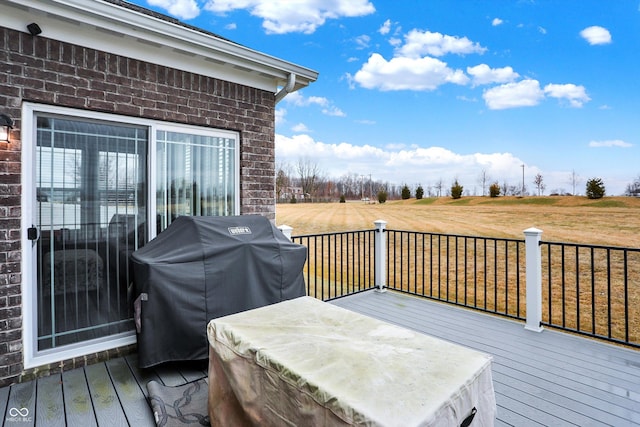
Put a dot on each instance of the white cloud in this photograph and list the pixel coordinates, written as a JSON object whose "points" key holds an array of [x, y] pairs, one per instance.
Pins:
{"points": [[525, 93], [401, 73], [596, 35], [482, 74], [576, 95], [542, 30], [419, 43], [300, 128], [362, 42], [285, 16], [398, 163], [299, 100], [466, 98], [395, 42], [280, 116], [333, 111], [413, 66], [231, 26], [385, 28], [610, 143], [183, 9], [496, 22]]}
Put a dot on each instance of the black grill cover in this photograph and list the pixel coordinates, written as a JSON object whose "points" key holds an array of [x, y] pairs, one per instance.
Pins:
{"points": [[201, 268]]}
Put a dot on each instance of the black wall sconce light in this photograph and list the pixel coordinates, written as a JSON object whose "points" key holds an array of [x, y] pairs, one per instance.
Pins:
{"points": [[6, 124], [34, 29]]}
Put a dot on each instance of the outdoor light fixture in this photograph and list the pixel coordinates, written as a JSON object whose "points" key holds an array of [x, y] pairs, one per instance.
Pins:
{"points": [[34, 29], [6, 124]]}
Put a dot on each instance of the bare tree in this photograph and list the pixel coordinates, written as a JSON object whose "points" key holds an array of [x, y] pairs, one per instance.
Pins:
{"points": [[439, 185], [633, 188], [505, 188], [309, 174], [283, 179], [483, 180], [539, 184], [574, 180]]}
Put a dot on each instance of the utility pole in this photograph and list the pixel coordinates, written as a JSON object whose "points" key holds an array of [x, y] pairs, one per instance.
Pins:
{"points": [[522, 192]]}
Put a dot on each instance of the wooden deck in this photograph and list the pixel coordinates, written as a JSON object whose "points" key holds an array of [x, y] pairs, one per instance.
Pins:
{"points": [[549, 378]]}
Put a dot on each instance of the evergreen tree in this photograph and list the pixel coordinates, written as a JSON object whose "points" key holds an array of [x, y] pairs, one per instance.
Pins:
{"points": [[595, 188], [406, 193], [456, 190]]}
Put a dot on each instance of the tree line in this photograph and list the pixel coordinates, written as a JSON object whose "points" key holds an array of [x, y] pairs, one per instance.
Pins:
{"points": [[305, 181]]}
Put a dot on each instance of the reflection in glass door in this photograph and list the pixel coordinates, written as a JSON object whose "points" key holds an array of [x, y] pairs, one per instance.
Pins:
{"points": [[91, 211]]}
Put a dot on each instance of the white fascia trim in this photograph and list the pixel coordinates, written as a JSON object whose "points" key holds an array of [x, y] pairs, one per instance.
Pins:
{"points": [[137, 35]]}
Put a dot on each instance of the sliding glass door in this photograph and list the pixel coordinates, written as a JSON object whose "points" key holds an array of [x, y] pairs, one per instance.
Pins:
{"points": [[98, 187]]}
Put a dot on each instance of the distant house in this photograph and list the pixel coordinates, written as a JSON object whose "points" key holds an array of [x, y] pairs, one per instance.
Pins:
{"points": [[122, 120], [289, 193]]}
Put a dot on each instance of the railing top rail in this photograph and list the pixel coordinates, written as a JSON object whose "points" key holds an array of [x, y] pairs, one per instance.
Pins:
{"points": [[503, 239], [584, 245], [333, 233]]}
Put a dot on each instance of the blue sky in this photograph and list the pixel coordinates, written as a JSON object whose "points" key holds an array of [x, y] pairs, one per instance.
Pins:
{"points": [[418, 91]]}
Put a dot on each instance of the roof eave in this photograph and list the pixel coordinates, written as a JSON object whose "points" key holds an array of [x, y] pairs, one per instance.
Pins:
{"points": [[149, 31]]}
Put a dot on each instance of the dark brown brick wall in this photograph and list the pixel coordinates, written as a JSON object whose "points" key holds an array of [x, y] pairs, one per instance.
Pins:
{"points": [[41, 70]]}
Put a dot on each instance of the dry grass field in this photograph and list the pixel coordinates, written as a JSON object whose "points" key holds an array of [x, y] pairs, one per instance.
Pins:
{"points": [[611, 221], [592, 290]]}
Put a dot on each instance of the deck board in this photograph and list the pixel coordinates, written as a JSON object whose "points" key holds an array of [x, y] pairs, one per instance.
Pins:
{"points": [[130, 394], [23, 399], [4, 400], [50, 402], [142, 376], [549, 378], [78, 407], [106, 405]]}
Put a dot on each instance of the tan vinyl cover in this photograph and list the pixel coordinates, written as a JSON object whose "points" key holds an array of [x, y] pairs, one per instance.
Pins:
{"points": [[304, 362]]}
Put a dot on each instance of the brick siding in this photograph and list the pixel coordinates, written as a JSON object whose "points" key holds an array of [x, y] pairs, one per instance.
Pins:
{"points": [[41, 70]]}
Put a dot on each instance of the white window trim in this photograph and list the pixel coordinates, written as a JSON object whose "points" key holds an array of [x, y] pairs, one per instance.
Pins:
{"points": [[33, 357]]}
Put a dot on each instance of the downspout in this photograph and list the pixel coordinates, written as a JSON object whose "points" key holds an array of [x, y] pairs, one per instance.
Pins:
{"points": [[291, 81]]}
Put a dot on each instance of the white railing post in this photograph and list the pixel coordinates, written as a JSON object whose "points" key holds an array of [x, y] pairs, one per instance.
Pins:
{"points": [[533, 270], [380, 258], [286, 230]]}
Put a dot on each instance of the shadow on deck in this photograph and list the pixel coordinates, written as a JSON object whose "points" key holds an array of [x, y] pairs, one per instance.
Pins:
{"points": [[548, 378]]}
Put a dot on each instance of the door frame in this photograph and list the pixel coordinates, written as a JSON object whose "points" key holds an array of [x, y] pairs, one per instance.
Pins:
{"points": [[32, 356]]}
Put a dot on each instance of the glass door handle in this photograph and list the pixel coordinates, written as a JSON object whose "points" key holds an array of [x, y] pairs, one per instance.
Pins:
{"points": [[32, 233]]}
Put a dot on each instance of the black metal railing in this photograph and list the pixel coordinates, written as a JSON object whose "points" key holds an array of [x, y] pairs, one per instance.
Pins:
{"points": [[338, 264], [592, 290], [478, 272]]}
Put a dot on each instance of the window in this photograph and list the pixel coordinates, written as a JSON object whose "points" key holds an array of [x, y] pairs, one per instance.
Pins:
{"points": [[195, 175]]}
